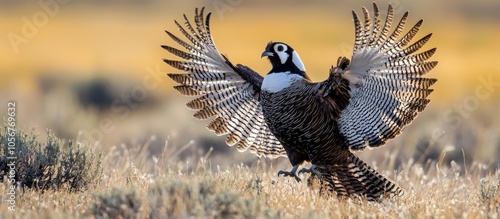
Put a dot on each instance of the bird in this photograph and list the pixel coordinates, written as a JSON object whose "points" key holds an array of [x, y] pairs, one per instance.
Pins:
{"points": [[364, 102]]}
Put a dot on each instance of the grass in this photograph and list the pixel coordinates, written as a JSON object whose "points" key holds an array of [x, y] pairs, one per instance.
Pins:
{"points": [[135, 184]]}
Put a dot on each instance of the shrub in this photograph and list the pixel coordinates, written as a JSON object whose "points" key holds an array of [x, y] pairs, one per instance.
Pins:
{"points": [[206, 198], [118, 203], [489, 188], [54, 164]]}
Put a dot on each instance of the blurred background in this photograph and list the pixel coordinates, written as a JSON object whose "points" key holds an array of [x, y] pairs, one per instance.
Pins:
{"points": [[93, 70]]}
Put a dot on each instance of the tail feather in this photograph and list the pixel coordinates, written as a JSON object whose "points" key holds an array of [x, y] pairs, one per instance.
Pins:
{"points": [[355, 177]]}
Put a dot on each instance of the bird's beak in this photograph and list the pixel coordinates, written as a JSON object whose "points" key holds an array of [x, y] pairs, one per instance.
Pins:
{"points": [[266, 53]]}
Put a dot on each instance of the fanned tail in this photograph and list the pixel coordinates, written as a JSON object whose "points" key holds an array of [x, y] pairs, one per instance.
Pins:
{"points": [[355, 177]]}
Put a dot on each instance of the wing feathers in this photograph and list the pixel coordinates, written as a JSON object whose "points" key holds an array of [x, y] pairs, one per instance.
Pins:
{"points": [[192, 49], [202, 29], [186, 90], [219, 126], [200, 103], [387, 87], [193, 37], [413, 70], [229, 94], [389, 45], [376, 24], [411, 59], [387, 26], [357, 31], [191, 79], [416, 46], [179, 53], [368, 25], [192, 67], [409, 36]]}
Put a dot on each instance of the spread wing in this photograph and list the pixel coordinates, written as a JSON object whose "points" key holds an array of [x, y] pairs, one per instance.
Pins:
{"points": [[226, 93], [387, 87]]}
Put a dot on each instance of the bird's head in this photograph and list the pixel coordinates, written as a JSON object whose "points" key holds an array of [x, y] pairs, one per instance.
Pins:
{"points": [[283, 58]]}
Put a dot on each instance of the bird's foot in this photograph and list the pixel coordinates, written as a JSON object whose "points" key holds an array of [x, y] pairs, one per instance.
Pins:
{"points": [[290, 173], [312, 169]]}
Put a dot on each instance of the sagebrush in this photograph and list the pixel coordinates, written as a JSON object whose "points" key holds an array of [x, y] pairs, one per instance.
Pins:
{"points": [[54, 164]]}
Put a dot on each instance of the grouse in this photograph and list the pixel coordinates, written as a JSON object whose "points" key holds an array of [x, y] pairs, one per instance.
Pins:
{"points": [[363, 103]]}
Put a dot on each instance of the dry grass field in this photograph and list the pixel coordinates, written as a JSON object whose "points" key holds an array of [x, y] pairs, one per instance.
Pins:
{"points": [[134, 184], [95, 142]]}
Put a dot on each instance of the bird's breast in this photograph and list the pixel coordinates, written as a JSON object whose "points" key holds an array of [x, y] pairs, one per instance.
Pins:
{"points": [[279, 81]]}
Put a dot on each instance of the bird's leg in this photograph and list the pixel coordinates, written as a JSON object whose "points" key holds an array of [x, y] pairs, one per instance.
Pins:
{"points": [[312, 169], [290, 173]]}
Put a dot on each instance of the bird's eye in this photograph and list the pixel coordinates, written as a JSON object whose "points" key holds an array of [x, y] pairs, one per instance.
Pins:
{"points": [[280, 48]]}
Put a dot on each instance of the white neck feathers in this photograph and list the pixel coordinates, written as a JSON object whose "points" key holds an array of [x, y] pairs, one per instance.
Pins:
{"points": [[297, 62]]}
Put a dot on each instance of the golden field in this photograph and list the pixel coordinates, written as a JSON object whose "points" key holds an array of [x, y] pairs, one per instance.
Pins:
{"points": [[52, 61]]}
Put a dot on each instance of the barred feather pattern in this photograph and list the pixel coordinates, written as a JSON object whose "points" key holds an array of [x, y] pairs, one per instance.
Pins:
{"points": [[355, 177], [303, 119], [363, 103], [386, 80], [227, 94]]}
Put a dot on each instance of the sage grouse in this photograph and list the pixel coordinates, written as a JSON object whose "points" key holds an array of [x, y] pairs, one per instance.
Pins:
{"points": [[362, 104]]}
